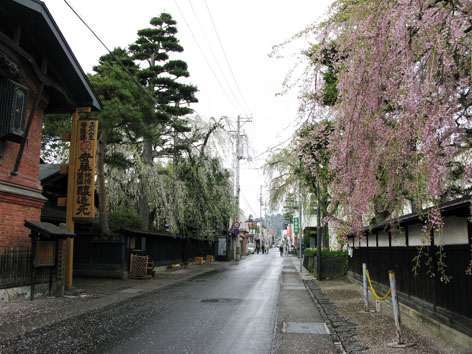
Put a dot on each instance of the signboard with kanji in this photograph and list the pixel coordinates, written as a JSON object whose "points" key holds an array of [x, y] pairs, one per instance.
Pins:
{"points": [[45, 254], [296, 225], [85, 169]]}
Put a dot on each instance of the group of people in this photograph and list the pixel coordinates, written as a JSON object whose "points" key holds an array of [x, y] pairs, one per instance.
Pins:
{"points": [[262, 247], [284, 249]]}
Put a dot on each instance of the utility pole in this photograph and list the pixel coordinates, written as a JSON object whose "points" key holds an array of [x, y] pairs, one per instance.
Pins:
{"points": [[239, 157]]}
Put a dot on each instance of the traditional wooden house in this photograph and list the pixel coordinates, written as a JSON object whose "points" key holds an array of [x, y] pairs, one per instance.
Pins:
{"points": [[39, 74], [444, 306]]}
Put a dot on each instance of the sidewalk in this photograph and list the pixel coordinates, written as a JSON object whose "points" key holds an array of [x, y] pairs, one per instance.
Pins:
{"points": [[340, 303], [300, 327], [21, 316]]}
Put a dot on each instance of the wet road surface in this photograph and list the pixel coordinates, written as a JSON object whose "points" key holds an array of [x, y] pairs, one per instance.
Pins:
{"points": [[231, 310]]}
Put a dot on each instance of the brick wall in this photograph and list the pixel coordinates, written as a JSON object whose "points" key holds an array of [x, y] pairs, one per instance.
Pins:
{"points": [[28, 170], [14, 210]]}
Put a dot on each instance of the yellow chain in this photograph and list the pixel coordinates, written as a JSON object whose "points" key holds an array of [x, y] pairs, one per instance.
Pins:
{"points": [[373, 291]]}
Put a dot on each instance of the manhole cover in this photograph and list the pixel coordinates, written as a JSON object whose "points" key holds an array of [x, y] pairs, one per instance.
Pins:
{"points": [[197, 280], [305, 327], [294, 287], [131, 291], [221, 300], [289, 270]]}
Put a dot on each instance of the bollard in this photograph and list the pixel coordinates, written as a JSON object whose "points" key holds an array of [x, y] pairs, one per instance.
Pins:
{"points": [[366, 287], [396, 309], [396, 313]]}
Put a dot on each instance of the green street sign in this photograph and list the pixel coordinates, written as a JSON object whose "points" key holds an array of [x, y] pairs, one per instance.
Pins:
{"points": [[296, 225]]}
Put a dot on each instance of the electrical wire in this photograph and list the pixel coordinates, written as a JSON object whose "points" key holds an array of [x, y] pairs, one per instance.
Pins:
{"points": [[214, 57], [148, 94], [204, 56], [226, 57], [248, 204]]}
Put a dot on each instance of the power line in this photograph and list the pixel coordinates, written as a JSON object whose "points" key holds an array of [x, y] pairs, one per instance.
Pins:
{"points": [[204, 56], [152, 98], [248, 204], [270, 149], [214, 56], [226, 57]]}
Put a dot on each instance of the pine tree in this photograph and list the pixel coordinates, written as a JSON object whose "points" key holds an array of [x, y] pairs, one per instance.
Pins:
{"points": [[161, 75]]}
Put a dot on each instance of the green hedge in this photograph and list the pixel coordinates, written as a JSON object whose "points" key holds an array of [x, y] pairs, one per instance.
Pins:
{"points": [[325, 253]]}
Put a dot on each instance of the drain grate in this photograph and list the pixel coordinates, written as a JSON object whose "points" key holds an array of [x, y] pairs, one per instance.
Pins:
{"points": [[221, 300], [294, 287], [131, 291], [305, 327]]}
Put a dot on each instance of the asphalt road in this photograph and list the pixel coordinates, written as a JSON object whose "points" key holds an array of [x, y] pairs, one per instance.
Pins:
{"points": [[231, 310]]}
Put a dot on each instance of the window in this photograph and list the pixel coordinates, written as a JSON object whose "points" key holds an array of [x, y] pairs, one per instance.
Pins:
{"points": [[13, 105]]}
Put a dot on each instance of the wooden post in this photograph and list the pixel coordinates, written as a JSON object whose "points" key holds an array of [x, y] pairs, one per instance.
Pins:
{"points": [[70, 200], [396, 308], [366, 287], [34, 237], [69, 257]]}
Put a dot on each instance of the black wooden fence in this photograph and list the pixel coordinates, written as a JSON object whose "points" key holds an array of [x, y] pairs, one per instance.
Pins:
{"points": [[111, 257], [99, 257], [454, 296], [15, 268]]}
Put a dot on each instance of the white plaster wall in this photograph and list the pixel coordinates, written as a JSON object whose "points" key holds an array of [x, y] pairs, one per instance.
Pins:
{"points": [[363, 241], [415, 237], [454, 232], [399, 238], [383, 239], [371, 241]]}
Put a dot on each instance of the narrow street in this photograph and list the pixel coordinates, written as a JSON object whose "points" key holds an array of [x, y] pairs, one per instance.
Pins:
{"points": [[231, 310]]}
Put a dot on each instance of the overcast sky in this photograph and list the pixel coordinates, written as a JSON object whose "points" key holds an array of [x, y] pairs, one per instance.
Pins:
{"points": [[247, 29]]}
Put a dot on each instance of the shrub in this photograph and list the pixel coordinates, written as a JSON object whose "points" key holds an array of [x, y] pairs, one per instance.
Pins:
{"points": [[325, 252], [124, 219]]}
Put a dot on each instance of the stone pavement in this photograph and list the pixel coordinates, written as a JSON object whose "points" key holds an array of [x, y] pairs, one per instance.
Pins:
{"points": [[300, 327]]}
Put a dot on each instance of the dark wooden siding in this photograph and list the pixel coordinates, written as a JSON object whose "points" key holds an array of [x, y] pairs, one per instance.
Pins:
{"points": [[455, 296]]}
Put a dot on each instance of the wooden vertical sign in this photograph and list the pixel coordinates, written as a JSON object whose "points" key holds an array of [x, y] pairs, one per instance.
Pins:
{"points": [[84, 206]]}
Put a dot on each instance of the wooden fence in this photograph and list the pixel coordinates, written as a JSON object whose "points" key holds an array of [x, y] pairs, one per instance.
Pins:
{"points": [[426, 287], [15, 268]]}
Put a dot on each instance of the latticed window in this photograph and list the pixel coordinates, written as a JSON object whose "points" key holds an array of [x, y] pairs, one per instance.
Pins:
{"points": [[13, 104]]}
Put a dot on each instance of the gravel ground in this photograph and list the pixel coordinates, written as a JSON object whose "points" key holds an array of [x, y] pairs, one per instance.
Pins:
{"points": [[377, 330]]}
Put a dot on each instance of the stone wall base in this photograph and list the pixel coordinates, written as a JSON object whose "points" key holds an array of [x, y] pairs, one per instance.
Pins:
{"points": [[22, 292]]}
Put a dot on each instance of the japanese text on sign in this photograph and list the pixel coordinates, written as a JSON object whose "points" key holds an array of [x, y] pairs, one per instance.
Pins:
{"points": [[85, 169]]}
